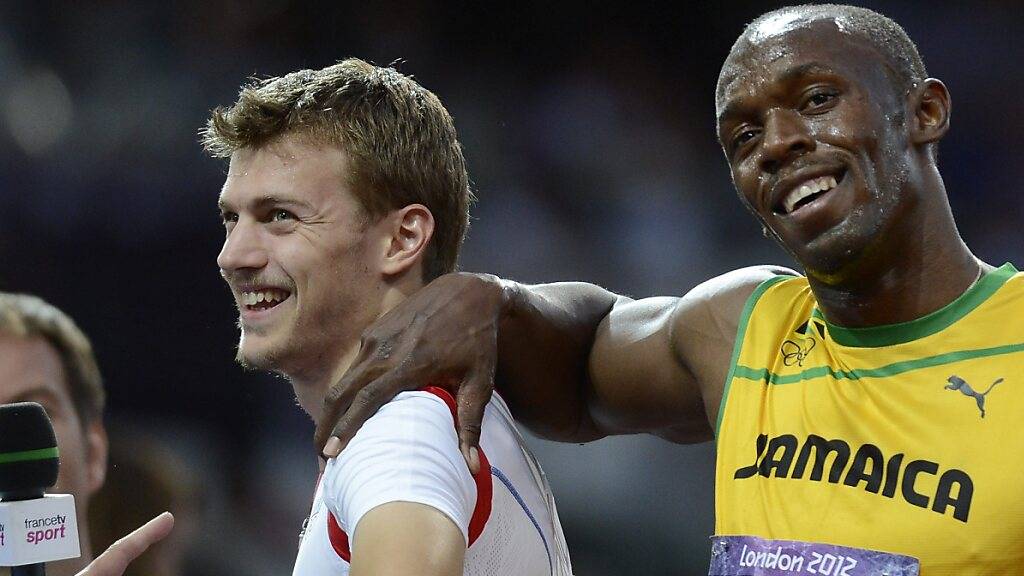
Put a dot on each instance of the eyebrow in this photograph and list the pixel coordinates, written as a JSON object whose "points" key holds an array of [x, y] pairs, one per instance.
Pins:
{"points": [[738, 108], [807, 69], [264, 202], [37, 392]]}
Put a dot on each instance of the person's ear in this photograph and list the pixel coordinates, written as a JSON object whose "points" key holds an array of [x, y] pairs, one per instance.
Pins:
{"points": [[411, 229], [97, 449], [930, 108]]}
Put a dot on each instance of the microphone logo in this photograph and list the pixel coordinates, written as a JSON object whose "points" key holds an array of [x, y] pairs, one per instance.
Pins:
{"points": [[34, 527]]}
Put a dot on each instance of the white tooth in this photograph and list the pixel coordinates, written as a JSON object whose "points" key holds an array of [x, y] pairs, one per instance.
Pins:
{"points": [[806, 189], [791, 199], [246, 296], [796, 195], [272, 296], [259, 297]]}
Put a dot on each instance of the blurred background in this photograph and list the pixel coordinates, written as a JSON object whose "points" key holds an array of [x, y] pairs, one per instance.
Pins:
{"points": [[589, 131]]}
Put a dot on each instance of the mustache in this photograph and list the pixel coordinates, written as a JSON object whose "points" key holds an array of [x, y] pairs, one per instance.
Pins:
{"points": [[817, 159], [247, 278]]}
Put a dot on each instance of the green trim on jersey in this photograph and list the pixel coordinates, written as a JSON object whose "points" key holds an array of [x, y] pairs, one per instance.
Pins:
{"points": [[890, 334], [741, 332], [763, 374]]}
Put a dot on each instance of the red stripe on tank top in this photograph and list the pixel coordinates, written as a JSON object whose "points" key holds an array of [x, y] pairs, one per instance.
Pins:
{"points": [[484, 491]]}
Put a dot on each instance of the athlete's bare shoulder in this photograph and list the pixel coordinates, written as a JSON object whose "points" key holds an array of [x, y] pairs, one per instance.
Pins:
{"points": [[705, 323], [724, 296]]}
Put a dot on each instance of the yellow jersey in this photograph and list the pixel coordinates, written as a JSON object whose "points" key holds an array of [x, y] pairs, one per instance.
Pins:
{"points": [[906, 439]]}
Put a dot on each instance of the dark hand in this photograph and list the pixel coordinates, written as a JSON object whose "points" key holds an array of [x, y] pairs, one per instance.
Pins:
{"points": [[443, 335]]}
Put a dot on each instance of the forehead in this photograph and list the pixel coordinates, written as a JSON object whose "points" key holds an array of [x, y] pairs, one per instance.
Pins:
{"points": [[787, 47], [288, 168], [30, 366]]}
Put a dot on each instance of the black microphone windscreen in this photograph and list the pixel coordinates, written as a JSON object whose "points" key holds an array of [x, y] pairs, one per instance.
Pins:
{"points": [[28, 449]]}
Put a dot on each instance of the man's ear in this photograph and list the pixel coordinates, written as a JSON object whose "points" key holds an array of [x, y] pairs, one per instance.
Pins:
{"points": [[411, 229], [930, 105], [97, 449]]}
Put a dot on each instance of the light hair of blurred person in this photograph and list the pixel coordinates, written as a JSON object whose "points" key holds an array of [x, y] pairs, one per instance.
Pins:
{"points": [[45, 358]]}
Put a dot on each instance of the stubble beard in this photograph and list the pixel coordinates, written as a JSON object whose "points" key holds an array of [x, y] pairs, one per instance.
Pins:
{"points": [[268, 359]]}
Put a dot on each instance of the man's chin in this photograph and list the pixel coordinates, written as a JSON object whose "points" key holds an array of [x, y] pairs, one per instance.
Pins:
{"points": [[847, 261], [256, 359]]}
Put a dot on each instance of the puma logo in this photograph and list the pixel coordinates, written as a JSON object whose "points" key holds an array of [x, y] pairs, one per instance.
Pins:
{"points": [[958, 383]]}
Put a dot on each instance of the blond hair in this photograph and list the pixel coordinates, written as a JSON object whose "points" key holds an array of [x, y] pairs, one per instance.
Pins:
{"points": [[400, 138], [26, 316]]}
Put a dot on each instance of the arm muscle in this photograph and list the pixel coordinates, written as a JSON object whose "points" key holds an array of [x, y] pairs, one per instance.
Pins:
{"points": [[577, 362], [407, 539]]}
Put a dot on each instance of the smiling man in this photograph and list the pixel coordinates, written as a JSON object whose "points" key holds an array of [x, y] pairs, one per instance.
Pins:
{"points": [[845, 402], [346, 191]]}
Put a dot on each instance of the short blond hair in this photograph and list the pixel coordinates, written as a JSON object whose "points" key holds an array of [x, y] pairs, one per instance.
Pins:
{"points": [[401, 140], [26, 316]]}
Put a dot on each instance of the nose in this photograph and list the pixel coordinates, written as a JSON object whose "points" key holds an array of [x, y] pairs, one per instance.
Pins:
{"points": [[243, 249], [785, 137]]}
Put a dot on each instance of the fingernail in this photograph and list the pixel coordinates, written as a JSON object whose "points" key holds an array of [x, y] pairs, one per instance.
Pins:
{"points": [[474, 460], [333, 447]]}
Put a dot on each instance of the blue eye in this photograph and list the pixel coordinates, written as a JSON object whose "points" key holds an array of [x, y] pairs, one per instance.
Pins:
{"points": [[281, 215]]}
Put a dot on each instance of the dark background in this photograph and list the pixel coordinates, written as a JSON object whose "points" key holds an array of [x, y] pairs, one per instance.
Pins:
{"points": [[589, 132]]}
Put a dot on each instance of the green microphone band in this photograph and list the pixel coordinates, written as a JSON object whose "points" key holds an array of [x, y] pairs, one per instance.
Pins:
{"points": [[40, 454]]}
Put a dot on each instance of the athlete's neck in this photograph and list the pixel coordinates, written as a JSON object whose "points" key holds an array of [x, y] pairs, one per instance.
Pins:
{"points": [[311, 385], [919, 269]]}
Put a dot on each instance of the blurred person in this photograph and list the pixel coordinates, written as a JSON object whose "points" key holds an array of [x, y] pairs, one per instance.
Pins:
{"points": [[347, 191], [45, 358], [865, 414], [149, 475]]}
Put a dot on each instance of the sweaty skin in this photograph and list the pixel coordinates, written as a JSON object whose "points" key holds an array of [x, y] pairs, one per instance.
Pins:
{"points": [[806, 99]]}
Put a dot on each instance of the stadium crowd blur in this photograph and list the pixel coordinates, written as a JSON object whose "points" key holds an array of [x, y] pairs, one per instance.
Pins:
{"points": [[589, 132]]}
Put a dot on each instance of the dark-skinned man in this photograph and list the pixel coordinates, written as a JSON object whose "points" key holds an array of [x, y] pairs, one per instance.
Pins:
{"points": [[864, 414]]}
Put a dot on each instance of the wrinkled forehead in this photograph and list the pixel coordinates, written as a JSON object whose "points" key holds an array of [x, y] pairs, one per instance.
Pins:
{"points": [[771, 50]]}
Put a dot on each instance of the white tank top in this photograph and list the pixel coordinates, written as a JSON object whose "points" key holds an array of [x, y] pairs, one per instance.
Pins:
{"points": [[408, 452]]}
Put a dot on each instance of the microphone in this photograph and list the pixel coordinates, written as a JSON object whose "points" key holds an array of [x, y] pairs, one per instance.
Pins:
{"points": [[34, 527]]}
